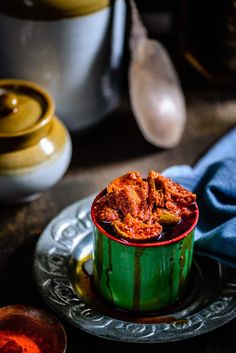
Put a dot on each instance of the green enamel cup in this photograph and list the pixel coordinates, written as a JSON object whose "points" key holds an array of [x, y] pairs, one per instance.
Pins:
{"points": [[141, 277]]}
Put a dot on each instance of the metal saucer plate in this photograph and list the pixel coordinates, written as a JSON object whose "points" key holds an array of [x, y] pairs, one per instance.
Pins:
{"points": [[60, 265]]}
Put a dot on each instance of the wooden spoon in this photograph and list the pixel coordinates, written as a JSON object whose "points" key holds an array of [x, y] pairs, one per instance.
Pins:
{"points": [[156, 97]]}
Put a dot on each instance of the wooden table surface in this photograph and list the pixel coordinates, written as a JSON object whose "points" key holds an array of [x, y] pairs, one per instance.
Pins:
{"points": [[108, 150]]}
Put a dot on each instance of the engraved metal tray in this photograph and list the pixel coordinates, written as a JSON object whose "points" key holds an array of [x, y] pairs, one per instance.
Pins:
{"points": [[63, 275]]}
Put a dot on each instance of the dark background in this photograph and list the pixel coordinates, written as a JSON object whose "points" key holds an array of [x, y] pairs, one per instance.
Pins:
{"points": [[182, 27]]}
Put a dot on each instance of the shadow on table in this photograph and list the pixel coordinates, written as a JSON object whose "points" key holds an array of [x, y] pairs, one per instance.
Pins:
{"points": [[114, 139]]}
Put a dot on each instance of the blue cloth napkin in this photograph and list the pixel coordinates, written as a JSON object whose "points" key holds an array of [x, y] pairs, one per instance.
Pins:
{"points": [[213, 179]]}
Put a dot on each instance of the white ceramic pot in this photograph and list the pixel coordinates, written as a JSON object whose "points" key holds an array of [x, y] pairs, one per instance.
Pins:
{"points": [[76, 58]]}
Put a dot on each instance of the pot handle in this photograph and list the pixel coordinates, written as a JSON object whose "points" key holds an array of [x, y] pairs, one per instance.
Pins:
{"points": [[118, 32]]}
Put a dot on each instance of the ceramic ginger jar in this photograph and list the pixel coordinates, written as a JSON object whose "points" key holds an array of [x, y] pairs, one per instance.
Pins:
{"points": [[35, 147]]}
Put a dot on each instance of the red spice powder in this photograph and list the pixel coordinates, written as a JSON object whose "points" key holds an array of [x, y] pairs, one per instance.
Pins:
{"points": [[10, 342]]}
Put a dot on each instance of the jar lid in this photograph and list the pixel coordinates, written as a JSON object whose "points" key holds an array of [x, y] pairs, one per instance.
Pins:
{"points": [[74, 7], [52, 9], [25, 111]]}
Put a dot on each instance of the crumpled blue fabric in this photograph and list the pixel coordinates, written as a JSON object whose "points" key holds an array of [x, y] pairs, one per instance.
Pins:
{"points": [[213, 179]]}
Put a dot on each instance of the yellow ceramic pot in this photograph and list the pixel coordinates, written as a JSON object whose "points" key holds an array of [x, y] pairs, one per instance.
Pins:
{"points": [[35, 147]]}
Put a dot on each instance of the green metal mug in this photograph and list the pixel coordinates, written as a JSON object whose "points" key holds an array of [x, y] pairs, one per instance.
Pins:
{"points": [[141, 277]]}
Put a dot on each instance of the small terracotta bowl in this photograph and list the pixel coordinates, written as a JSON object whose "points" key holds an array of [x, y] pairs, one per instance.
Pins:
{"points": [[28, 329]]}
